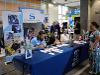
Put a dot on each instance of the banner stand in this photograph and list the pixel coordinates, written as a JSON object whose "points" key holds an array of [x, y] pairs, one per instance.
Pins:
{"points": [[13, 33]]}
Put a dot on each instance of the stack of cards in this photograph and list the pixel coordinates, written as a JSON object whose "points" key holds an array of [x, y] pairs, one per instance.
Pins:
{"points": [[52, 51]]}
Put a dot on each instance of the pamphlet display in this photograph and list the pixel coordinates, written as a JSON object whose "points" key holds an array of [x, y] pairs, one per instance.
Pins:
{"points": [[54, 50]]}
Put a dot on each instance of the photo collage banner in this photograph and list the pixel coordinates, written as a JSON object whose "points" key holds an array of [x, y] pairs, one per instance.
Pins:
{"points": [[13, 31]]}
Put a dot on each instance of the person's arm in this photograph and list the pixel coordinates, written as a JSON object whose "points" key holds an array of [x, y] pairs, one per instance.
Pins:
{"points": [[39, 46], [97, 40], [62, 39], [95, 43], [43, 44], [36, 44]]}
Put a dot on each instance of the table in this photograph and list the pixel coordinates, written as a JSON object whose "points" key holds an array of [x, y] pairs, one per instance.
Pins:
{"points": [[45, 64]]}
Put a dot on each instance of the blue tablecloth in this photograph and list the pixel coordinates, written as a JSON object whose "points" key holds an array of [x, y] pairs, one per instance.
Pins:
{"points": [[45, 64]]}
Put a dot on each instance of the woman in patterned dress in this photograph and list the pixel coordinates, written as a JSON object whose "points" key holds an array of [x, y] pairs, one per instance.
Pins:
{"points": [[94, 57]]}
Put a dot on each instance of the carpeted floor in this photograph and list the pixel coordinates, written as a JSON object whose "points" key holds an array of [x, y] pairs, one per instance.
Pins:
{"points": [[86, 72], [82, 69]]}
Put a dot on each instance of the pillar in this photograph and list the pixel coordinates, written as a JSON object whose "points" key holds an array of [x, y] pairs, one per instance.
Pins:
{"points": [[84, 14]]}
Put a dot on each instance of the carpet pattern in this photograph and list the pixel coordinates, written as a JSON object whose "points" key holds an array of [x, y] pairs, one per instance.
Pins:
{"points": [[9, 69]]}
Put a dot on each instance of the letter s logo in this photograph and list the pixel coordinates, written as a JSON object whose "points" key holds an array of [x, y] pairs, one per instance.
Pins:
{"points": [[31, 16]]}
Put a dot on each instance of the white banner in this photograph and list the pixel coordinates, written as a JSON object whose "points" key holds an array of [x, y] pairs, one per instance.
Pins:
{"points": [[32, 15]]}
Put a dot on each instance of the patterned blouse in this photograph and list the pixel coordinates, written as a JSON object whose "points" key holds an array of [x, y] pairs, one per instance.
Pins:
{"points": [[93, 35]]}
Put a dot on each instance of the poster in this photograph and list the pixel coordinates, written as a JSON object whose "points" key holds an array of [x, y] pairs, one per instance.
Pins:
{"points": [[71, 16], [13, 31]]}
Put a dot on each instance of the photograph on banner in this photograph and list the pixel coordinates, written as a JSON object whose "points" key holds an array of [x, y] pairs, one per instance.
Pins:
{"points": [[8, 40], [12, 42], [9, 37], [13, 19], [17, 37], [16, 28]]}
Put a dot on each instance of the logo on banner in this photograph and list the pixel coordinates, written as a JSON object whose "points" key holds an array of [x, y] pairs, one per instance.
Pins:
{"points": [[31, 16]]}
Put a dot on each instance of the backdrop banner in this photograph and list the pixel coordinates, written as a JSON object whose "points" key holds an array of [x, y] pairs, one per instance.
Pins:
{"points": [[13, 31]]}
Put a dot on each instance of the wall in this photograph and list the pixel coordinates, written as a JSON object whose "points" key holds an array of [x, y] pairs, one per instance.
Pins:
{"points": [[89, 14], [95, 11], [53, 13], [14, 6], [90, 11], [84, 14]]}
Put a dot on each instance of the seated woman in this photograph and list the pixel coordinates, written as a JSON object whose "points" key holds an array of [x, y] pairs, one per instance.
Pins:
{"points": [[64, 37], [39, 41], [57, 41]]}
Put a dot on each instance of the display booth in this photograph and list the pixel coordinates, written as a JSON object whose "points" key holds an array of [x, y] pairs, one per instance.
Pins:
{"points": [[14, 29]]}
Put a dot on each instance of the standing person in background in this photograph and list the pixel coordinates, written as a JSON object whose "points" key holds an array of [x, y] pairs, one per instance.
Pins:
{"points": [[52, 33], [57, 28], [52, 29], [94, 54], [64, 26], [77, 30], [64, 37]]}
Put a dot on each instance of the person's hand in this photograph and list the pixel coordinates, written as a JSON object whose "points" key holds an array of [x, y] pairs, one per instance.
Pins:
{"points": [[91, 49], [41, 46]]}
